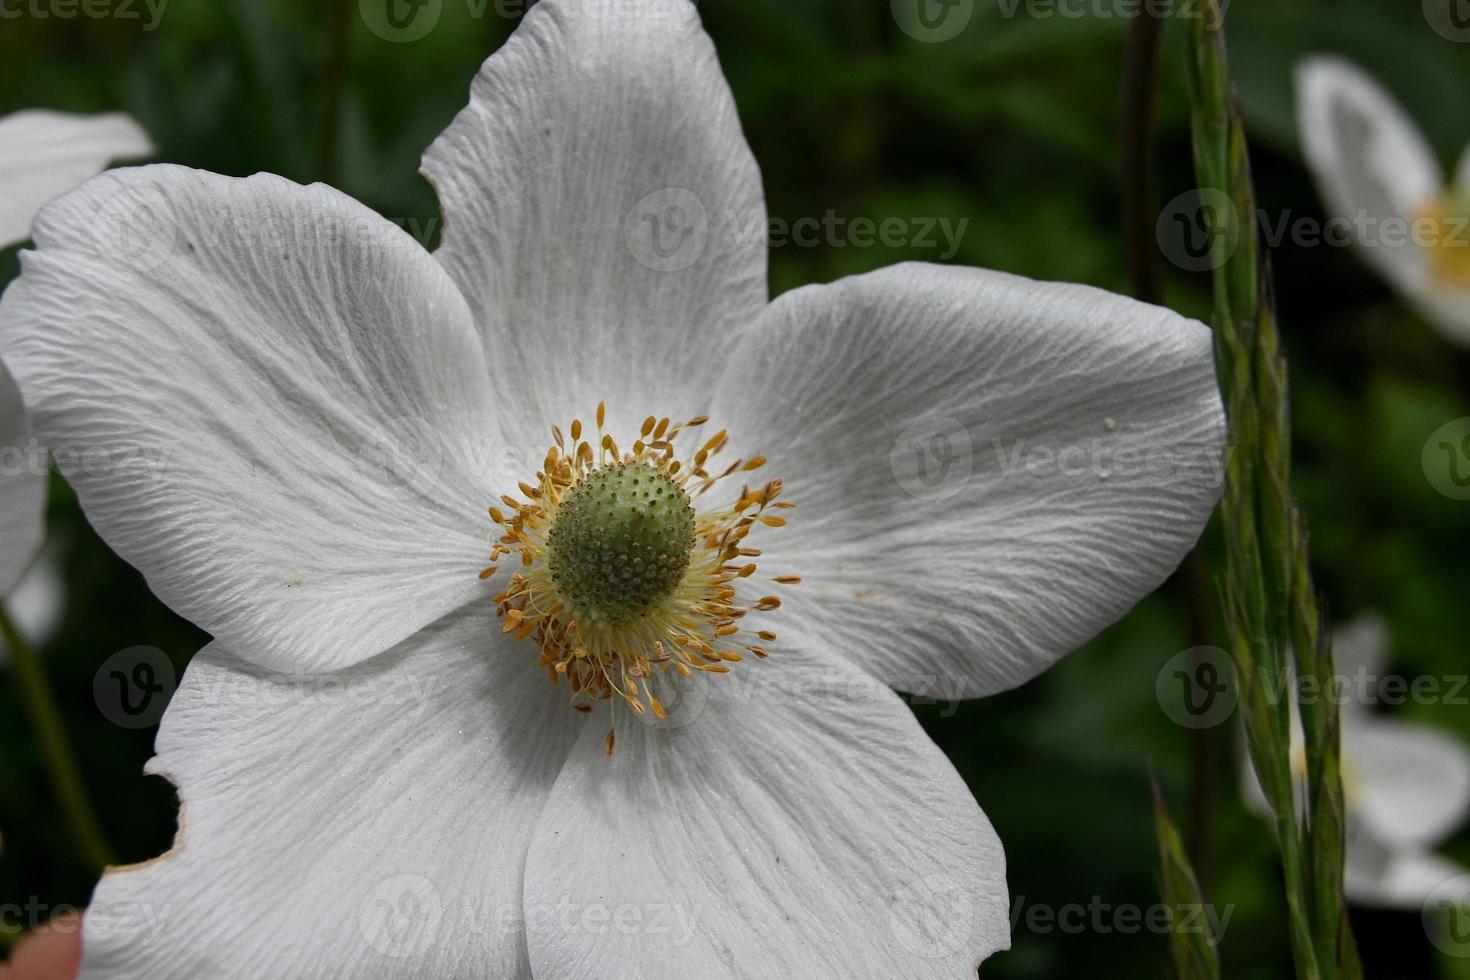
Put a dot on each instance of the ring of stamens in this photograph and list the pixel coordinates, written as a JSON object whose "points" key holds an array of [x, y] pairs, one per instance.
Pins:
{"points": [[620, 579]]}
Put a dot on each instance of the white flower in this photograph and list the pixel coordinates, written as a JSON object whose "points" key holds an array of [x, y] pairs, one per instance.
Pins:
{"points": [[44, 154], [376, 776], [1406, 786], [35, 604], [22, 488], [1377, 172]]}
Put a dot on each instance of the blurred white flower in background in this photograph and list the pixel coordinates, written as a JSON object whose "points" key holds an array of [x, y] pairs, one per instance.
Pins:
{"points": [[44, 154], [36, 602], [22, 489], [1375, 169], [377, 777], [1406, 785]]}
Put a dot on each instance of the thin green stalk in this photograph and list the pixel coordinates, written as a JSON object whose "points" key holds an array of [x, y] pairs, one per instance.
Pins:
{"points": [[55, 749], [1271, 602], [1191, 940], [1256, 648]]}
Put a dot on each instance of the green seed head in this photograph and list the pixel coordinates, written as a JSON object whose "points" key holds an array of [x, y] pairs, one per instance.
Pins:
{"points": [[621, 541]]}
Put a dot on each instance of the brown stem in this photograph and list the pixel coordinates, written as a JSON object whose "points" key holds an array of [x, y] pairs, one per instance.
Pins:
{"points": [[1206, 744], [1190, 585], [338, 29], [1140, 94]]}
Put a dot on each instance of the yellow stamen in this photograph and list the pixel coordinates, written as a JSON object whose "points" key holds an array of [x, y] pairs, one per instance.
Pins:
{"points": [[1446, 219], [617, 591]]}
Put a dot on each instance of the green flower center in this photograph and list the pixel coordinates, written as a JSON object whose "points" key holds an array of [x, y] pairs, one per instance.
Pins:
{"points": [[620, 541]]}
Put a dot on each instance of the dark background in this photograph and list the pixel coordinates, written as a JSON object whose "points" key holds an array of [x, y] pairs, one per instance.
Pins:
{"points": [[1014, 125]]}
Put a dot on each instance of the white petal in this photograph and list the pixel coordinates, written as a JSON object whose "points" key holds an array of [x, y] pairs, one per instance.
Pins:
{"points": [[1410, 784], [1447, 309], [1462, 172], [987, 470], [1406, 880], [594, 120], [45, 154], [796, 822], [1360, 646], [1372, 163], [1251, 792], [1253, 795], [35, 604], [1406, 785], [222, 385], [369, 823], [22, 487], [1360, 659]]}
